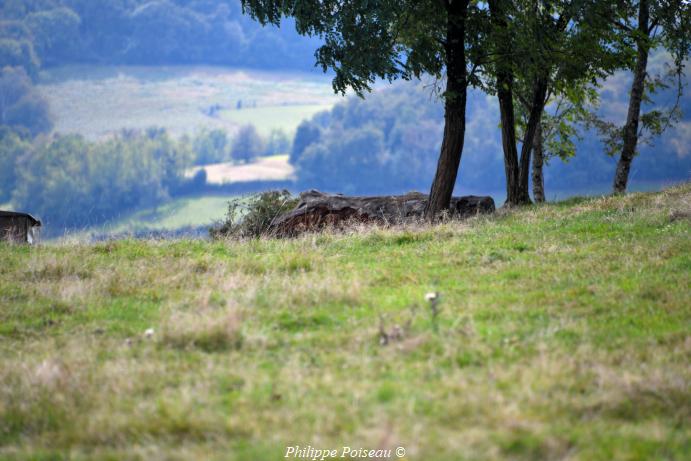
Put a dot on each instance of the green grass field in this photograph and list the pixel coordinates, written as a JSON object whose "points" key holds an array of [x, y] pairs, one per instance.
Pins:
{"points": [[96, 101], [563, 332], [174, 215], [286, 118]]}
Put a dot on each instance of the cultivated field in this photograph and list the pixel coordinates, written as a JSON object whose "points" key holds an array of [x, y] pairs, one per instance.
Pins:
{"points": [[562, 333], [96, 101], [274, 168]]}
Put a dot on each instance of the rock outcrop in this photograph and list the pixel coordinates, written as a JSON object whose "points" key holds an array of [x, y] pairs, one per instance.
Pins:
{"points": [[317, 210]]}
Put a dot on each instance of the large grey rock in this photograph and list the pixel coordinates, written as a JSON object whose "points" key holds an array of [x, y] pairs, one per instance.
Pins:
{"points": [[317, 210]]}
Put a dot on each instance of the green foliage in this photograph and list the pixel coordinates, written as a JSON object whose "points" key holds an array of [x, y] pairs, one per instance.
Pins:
{"points": [[410, 121], [141, 32], [251, 217], [364, 40], [326, 163], [670, 29], [214, 146], [307, 133], [211, 147], [277, 143], [247, 144], [534, 50], [564, 118], [12, 148], [652, 123], [385, 143], [22, 108], [55, 33], [19, 53], [71, 183]]}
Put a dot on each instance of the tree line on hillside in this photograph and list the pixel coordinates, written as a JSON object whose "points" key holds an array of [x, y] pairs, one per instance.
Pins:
{"points": [[389, 143], [525, 53], [217, 146], [39, 33], [42, 33], [22, 108], [70, 182]]}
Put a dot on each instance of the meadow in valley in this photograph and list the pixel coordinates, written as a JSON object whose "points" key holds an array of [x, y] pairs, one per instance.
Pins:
{"points": [[96, 101]]}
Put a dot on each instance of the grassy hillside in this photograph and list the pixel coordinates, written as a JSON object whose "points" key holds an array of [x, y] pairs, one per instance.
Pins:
{"points": [[562, 333], [174, 215], [97, 100]]}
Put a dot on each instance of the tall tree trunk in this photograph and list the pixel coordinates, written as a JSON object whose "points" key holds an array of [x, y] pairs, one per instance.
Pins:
{"points": [[454, 110], [505, 97], [537, 106], [508, 141], [621, 177], [538, 162]]}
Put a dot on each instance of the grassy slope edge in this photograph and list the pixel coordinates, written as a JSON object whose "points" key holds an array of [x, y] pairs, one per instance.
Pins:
{"points": [[563, 334]]}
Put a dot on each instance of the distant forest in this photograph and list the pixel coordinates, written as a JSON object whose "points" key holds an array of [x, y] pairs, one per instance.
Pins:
{"points": [[71, 182], [389, 143], [42, 33]]}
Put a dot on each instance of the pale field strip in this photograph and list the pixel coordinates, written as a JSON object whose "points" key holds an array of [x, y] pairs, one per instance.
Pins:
{"points": [[98, 101], [275, 168]]}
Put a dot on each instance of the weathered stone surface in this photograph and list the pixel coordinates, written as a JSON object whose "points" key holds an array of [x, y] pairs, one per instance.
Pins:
{"points": [[317, 210]]}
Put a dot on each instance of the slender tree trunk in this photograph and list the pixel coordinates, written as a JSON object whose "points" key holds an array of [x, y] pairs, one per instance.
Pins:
{"points": [[534, 120], [505, 97], [538, 162], [508, 139], [454, 111], [621, 177]]}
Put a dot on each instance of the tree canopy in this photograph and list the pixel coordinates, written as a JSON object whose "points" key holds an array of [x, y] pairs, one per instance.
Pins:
{"points": [[22, 108], [58, 32], [389, 39]]}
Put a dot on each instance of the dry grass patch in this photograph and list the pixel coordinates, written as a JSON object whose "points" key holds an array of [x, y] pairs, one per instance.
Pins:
{"points": [[204, 330]]}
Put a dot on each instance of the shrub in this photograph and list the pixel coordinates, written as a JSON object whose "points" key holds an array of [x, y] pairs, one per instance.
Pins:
{"points": [[252, 217]]}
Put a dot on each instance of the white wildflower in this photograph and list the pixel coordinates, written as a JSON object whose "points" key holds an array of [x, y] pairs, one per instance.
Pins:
{"points": [[429, 297], [149, 333]]}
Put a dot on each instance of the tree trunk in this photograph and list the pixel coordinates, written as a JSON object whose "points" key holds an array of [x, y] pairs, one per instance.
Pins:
{"points": [[538, 161], [505, 97], [534, 120], [454, 111], [621, 177], [508, 138]]}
